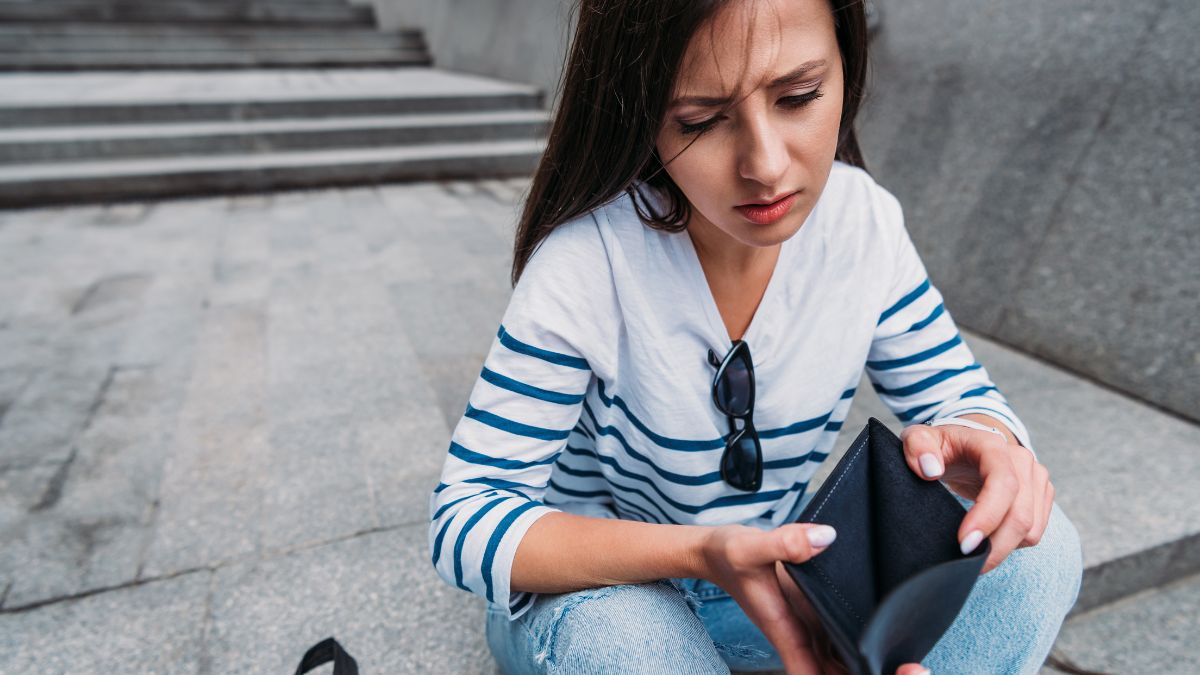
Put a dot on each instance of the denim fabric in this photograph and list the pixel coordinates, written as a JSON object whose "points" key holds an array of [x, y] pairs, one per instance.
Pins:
{"points": [[1008, 624]]}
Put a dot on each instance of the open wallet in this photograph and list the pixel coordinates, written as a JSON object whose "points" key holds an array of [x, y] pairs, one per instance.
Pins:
{"points": [[894, 579]]}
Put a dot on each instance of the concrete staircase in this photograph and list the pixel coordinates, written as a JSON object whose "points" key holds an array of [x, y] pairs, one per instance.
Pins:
{"points": [[139, 34], [237, 96], [112, 136]]}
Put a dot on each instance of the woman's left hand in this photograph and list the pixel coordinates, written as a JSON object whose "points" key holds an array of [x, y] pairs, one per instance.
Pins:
{"points": [[1012, 492]]}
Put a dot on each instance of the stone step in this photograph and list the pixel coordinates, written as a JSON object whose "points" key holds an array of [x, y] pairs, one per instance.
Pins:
{"points": [[29, 100], [1151, 632], [62, 182], [322, 12], [164, 59], [51, 37], [56, 144]]}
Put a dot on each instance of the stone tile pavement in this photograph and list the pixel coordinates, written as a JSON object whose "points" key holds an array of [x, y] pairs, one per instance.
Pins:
{"points": [[220, 420]]}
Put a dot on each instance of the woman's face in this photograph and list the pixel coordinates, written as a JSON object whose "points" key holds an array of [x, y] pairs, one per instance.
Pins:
{"points": [[781, 135]]}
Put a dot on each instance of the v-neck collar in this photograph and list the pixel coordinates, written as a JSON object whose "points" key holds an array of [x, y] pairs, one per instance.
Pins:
{"points": [[760, 345]]}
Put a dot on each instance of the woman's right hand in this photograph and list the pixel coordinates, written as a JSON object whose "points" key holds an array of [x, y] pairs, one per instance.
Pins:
{"points": [[744, 562]]}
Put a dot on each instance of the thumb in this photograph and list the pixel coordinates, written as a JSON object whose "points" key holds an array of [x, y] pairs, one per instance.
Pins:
{"points": [[912, 669], [923, 450], [798, 542]]}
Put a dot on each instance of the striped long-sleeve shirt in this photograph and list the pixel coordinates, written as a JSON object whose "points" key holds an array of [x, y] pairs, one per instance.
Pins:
{"points": [[596, 391]]}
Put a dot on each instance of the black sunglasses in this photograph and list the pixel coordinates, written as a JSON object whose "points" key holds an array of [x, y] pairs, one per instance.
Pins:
{"points": [[733, 394]]}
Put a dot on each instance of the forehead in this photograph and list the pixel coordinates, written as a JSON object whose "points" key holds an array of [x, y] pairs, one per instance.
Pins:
{"points": [[748, 43]]}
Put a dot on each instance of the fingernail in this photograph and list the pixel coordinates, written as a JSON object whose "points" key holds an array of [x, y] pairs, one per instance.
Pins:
{"points": [[971, 541], [924, 671], [931, 466], [821, 535]]}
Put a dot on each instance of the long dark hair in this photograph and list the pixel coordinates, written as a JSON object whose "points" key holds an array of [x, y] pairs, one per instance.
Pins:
{"points": [[615, 88]]}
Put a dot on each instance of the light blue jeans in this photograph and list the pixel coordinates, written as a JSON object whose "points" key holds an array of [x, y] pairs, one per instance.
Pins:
{"points": [[1008, 624]]}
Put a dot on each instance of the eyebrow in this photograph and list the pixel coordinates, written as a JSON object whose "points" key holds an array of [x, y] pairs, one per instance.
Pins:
{"points": [[789, 78]]}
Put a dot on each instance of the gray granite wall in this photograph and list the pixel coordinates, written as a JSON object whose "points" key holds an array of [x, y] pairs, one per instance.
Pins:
{"points": [[520, 40], [1047, 155]]}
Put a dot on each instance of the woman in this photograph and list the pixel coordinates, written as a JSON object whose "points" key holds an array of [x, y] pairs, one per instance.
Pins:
{"points": [[701, 195]]}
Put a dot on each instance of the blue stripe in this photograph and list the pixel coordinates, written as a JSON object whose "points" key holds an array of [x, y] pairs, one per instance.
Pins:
{"points": [[834, 426], [501, 484], [796, 427], [486, 460], [608, 493], [937, 311], [497, 485], [462, 538], [489, 554], [911, 413], [585, 432], [926, 383], [980, 391], [579, 473], [904, 302], [522, 600], [701, 445], [726, 500], [849, 393], [918, 357], [527, 349], [529, 390], [512, 427], [679, 478], [660, 440]]}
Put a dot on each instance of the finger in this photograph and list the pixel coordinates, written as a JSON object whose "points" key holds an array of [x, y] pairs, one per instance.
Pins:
{"points": [[796, 542], [1012, 531], [1000, 489], [912, 669], [769, 610], [1020, 518], [923, 450], [818, 639], [1041, 507]]}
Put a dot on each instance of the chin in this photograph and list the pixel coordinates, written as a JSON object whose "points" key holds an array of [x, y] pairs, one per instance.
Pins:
{"points": [[762, 236]]}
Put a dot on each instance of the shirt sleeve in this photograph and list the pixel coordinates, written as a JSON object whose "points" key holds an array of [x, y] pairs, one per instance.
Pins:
{"points": [[526, 400], [918, 362]]}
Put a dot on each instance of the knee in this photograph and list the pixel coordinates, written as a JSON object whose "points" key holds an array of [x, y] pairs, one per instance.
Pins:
{"points": [[1045, 578], [624, 628]]}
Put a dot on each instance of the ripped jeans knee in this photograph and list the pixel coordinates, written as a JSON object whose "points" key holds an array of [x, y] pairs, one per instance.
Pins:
{"points": [[629, 628]]}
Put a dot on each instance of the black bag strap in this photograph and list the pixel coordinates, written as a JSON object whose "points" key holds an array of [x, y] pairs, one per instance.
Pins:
{"points": [[325, 651]]}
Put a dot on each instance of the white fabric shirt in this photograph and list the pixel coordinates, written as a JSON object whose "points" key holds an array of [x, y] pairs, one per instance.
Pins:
{"points": [[595, 396]]}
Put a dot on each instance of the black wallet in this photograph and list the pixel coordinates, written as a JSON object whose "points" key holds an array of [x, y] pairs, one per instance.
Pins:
{"points": [[894, 579]]}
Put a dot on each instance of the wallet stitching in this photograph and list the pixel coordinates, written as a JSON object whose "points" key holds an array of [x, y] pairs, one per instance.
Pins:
{"points": [[821, 572], [829, 583], [853, 459]]}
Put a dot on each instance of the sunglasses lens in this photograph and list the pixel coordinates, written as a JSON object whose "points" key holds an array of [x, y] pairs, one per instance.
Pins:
{"points": [[741, 464], [733, 389]]}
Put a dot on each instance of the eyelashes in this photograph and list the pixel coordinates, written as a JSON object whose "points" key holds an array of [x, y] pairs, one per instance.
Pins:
{"points": [[790, 102]]}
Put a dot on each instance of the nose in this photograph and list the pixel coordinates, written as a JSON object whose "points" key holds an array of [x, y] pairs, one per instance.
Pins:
{"points": [[763, 155]]}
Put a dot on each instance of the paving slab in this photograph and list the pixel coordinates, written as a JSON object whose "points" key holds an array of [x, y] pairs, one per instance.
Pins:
{"points": [[375, 593], [1150, 632], [149, 628]]}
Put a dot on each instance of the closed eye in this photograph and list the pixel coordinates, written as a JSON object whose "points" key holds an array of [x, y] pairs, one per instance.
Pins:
{"points": [[790, 102]]}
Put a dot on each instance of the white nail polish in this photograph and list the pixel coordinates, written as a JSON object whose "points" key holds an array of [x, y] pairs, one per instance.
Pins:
{"points": [[821, 535], [931, 466], [971, 541]]}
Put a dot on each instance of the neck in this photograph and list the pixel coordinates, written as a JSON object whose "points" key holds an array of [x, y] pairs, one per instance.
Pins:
{"points": [[727, 258]]}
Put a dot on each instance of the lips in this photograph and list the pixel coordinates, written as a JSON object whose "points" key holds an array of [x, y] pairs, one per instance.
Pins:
{"points": [[764, 214]]}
